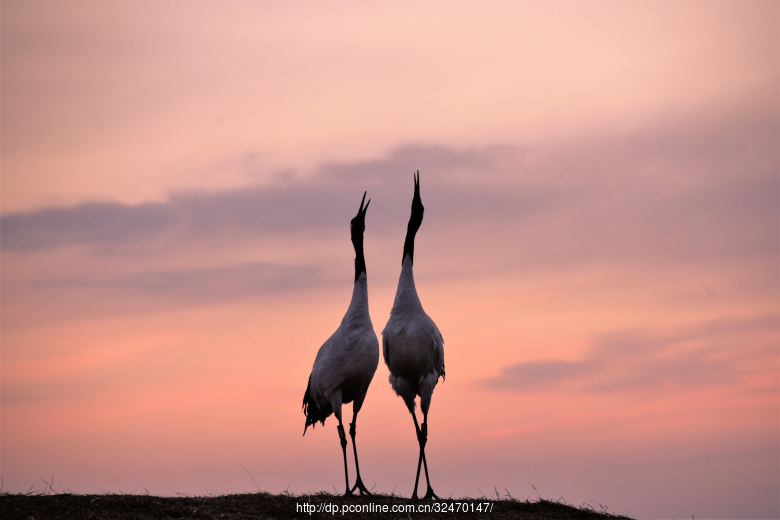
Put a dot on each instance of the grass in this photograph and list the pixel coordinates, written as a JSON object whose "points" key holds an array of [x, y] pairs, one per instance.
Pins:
{"points": [[261, 505]]}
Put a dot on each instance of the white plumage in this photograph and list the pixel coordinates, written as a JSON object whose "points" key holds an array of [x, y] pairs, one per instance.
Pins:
{"points": [[417, 357], [412, 346], [346, 362]]}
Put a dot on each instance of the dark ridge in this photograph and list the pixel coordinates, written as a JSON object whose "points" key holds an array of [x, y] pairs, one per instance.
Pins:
{"points": [[311, 409], [263, 505], [414, 221], [357, 227]]}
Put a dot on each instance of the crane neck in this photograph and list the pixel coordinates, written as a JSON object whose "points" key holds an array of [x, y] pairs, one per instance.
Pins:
{"points": [[358, 306], [415, 220], [409, 245], [406, 299], [360, 259]]}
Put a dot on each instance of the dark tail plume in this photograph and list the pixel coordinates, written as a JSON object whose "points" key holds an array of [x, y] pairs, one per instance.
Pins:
{"points": [[310, 408]]}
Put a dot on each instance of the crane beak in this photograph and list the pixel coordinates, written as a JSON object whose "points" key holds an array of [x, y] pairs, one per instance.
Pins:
{"points": [[362, 211], [361, 203]]}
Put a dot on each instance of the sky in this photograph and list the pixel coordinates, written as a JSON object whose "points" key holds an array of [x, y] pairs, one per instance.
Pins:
{"points": [[600, 246]]}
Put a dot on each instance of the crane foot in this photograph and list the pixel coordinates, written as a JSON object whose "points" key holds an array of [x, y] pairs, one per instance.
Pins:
{"points": [[430, 494], [361, 487]]}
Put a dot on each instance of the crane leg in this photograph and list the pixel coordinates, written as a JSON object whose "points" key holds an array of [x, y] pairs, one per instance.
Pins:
{"points": [[422, 436], [429, 493], [343, 438], [359, 482], [335, 402], [419, 460]]}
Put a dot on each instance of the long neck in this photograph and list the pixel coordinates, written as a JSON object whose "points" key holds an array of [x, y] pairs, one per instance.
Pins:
{"points": [[409, 244], [360, 260], [406, 298], [415, 220], [358, 306]]}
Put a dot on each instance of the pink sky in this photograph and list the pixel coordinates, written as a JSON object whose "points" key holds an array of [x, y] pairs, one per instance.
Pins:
{"points": [[600, 245]]}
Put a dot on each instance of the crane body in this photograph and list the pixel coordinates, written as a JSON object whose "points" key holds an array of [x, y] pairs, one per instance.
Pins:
{"points": [[412, 346], [346, 362]]}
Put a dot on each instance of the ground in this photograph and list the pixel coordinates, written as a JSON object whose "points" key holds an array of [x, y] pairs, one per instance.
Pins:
{"points": [[284, 506]]}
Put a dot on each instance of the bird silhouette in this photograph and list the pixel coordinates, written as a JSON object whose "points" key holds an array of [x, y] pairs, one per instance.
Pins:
{"points": [[346, 362], [412, 346]]}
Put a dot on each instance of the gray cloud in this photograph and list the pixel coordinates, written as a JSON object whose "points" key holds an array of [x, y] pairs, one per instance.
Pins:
{"points": [[105, 222], [709, 354], [688, 188], [222, 283], [56, 296], [692, 191], [328, 200]]}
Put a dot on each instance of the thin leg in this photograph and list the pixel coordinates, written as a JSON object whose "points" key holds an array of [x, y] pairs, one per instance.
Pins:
{"points": [[424, 432], [343, 438], [421, 441], [359, 482], [335, 402]]}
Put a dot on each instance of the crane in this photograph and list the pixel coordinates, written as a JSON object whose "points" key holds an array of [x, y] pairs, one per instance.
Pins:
{"points": [[346, 362], [412, 346]]}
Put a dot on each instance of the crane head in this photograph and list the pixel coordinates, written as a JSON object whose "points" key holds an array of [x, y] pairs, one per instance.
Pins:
{"points": [[358, 224], [417, 208]]}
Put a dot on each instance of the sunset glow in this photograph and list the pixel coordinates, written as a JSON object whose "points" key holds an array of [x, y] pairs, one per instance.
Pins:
{"points": [[600, 246]]}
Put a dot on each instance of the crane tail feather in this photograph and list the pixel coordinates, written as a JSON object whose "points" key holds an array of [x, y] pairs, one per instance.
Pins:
{"points": [[310, 409]]}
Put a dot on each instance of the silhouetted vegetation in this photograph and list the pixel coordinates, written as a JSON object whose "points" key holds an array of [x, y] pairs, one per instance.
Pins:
{"points": [[40, 506]]}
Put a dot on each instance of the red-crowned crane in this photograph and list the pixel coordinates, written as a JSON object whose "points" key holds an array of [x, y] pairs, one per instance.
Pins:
{"points": [[412, 345], [346, 362]]}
